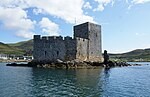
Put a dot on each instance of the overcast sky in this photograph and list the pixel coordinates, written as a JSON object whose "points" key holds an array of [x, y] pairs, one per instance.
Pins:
{"points": [[125, 23]]}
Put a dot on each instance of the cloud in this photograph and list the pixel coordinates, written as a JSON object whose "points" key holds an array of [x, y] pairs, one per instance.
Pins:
{"points": [[67, 10], [49, 27], [127, 1], [99, 8], [16, 19], [140, 1], [87, 5], [14, 3], [137, 34], [24, 34], [135, 2], [142, 34], [102, 4]]}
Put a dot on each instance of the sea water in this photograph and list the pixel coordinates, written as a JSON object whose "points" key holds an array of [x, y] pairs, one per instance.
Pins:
{"points": [[133, 81]]}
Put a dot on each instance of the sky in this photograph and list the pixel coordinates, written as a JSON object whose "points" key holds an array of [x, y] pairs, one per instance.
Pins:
{"points": [[125, 23]]}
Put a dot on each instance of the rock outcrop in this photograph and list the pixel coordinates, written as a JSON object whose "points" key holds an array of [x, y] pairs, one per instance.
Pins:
{"points": [[73, 64]]}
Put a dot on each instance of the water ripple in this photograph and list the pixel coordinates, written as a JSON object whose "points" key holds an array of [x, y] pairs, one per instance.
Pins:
{"points": [[39, 82]]}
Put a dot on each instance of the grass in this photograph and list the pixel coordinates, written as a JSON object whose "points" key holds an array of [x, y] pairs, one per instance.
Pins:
{"points": [[6, 49]]}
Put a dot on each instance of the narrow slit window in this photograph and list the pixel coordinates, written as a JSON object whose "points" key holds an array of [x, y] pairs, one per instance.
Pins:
{"points": [[57, 53]]}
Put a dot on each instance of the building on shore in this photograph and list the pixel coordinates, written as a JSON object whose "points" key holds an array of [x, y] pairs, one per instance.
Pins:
{"points": [[84, 46], [3, 56], [15, 57]]}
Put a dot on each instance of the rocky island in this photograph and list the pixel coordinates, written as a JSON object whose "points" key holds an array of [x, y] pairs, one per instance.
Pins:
{"points": [[84, 50]]}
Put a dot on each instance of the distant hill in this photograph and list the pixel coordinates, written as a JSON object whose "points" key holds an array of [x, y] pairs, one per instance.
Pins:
{"points": [[135, 55], [26, 46], [20, 48], [6, 49]]}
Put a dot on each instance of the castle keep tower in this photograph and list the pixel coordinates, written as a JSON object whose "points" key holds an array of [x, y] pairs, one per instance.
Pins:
{"points": [[92, 33], [85, 46]]}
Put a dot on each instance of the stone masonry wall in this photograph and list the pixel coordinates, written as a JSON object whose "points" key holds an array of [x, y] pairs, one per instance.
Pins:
{"points": [[95, 45], [82, 50], [49, 48], [52, 48], [81, 31], [70, 45], [91, 32], [85, 46]]}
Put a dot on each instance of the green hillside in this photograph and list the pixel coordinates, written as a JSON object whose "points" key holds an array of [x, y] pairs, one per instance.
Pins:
{"points": [[135, 55], [6, 49], [20, 48], [26, 46]]}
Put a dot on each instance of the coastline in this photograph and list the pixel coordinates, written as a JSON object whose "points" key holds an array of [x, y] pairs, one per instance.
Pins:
{"points": [[13, 61], [72, 65]]}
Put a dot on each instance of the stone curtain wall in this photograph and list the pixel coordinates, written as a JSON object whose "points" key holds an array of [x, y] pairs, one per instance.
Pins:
{"points": [[85, 46], [49, 48], [53, 48], [70, 45]]}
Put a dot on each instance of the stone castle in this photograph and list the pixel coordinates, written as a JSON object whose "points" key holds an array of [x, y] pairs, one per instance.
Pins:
{"points": [[84, 46]]}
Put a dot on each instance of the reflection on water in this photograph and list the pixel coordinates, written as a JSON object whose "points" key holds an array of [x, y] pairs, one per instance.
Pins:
{"points": [[58, 82], [40, 82], [106, 73], [14, 81]]}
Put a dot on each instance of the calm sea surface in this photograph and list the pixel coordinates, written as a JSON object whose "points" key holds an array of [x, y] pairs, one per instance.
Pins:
{"points": [[39, 82]]}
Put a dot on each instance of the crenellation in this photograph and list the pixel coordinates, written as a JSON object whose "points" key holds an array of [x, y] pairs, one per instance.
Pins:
{"points": [[37, 37], [84, 46], [68, 38], [44, 38], [60, 38], [50, 38]]}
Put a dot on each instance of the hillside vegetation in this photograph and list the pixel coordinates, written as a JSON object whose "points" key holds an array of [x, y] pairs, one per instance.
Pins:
{"points": [[26, 48], [135, 55], [20, 48], [6, 49]]}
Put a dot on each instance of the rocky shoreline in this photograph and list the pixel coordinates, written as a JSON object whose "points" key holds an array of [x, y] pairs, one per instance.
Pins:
{"points": [[67, 65]]}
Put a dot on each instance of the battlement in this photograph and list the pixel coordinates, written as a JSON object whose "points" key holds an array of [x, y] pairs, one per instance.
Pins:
{"points": [[48, 38], [67, 38], [37, 37], [44, 38], [53, 38]]}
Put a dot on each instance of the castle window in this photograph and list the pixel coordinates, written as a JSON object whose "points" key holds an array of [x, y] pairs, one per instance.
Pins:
{"points": [[57, 53], [45, 53], [96, 34]]}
